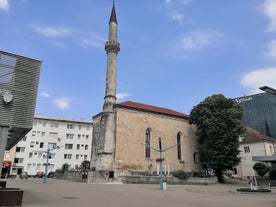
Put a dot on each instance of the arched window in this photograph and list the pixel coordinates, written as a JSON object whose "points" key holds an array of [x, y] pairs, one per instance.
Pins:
{"points": [[147, 149], [179, 146]]}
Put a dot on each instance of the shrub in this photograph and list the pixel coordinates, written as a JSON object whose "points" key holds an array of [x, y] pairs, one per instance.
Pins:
{"points": [[180, 174], [272, 174], [261, 168]]}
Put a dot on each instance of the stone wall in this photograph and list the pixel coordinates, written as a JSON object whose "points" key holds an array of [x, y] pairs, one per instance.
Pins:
{"points": [[169, 180], [131, 126]]}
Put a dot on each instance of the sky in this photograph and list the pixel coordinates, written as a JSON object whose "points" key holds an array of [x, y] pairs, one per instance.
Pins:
{"points": [[174, 53]]}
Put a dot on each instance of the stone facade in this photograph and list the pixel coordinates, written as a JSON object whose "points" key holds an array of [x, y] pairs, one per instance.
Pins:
{"points": [[131, 126]]}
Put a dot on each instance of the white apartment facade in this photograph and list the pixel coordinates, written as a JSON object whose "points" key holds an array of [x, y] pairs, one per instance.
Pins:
{"points": [[254, 144], [69, 141]]}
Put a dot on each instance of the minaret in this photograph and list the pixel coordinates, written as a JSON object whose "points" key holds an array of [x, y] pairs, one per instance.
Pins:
{"points": [[112, 48], [103, 142]]}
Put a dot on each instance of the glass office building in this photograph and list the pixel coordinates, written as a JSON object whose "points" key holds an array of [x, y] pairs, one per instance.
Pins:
{"points": [[259, 112]]}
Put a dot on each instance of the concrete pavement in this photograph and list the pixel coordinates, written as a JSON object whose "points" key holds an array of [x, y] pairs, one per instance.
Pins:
{"points": [[60, 193]]}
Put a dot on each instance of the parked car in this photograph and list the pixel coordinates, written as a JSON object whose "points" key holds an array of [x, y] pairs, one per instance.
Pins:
{"points": [[39, 174], [23, 175], [51, 174]]}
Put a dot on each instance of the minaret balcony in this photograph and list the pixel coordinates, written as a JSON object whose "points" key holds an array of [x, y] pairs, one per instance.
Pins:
{"points": [[112, 46]]}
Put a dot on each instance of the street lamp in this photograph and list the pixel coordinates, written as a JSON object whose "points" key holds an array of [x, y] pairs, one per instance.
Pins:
{"points": [[160, 150], [48, 153], [47, 162], [268, 89]]}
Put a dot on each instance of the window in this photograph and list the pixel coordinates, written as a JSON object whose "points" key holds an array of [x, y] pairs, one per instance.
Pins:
{"points": [[79, 136], [247, 149], [7, 154], [87, 136], [271, 149], [42, 134], [41, 145], [18, 160], [78, 146], [17, 149], [79, 127], [86, 147], [30, 155], [33, 133], [147, 150], [179, 146], [69, 136], [85, 157], [77, 156], [52, 145], [70, 126], [54, 124], [68, 146], [52, 155], [24, 138], [53, 135], [32, 144], [29, 166], [67, 156]]}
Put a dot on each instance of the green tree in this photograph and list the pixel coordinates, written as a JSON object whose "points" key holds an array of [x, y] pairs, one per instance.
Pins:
{"points": [[261, 168], [65, 168], [85, 164], [218, 128]]}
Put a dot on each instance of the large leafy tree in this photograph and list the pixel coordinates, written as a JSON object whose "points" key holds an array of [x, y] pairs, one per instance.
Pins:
{"points": [[218, 127]]}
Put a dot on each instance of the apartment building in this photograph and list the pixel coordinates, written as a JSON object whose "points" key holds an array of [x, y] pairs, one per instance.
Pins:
{"points": [[68, 141]]}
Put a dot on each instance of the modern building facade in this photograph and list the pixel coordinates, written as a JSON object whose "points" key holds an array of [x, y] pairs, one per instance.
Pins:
{"points": [[19, 77], [69, 142], [259, 112]]}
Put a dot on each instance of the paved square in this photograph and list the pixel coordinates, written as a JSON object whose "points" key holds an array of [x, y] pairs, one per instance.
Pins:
{"points": [[57, 193]]}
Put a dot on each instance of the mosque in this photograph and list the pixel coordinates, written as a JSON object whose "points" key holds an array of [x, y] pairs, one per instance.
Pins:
{"points": [[125, 133]]}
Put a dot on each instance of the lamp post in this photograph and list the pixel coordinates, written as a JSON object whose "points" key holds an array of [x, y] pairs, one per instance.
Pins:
{"points": [[47, 161], [160, 150]]}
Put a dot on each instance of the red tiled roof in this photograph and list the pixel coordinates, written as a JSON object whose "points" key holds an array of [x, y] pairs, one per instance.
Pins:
{"points": [[149, 108], [255, 136]]}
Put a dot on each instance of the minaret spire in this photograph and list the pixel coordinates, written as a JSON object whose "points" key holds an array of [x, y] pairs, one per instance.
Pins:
{"points": [[113, 17], [112, 48]]}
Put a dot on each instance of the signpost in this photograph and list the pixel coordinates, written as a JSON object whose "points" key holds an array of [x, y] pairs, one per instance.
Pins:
{"points": [[160, 150]]}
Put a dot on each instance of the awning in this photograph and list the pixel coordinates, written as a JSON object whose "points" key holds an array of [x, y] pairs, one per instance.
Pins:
{"points": [[264, 158]]}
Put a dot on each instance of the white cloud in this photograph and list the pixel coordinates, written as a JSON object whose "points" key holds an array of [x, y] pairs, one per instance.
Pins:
{"points": [[62, 103], [196, 40], [46, 95], [122, 95], [52, 31], [168, 1], [271, 51], [94, 43], [178, 1], [269, 10], [4, 5], [258, 78], [93, 40], [176, 16]]}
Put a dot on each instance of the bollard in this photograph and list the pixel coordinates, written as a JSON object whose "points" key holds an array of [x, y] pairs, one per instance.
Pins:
{"points": [[165, 185]]}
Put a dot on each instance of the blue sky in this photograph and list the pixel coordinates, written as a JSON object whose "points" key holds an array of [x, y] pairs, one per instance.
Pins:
{"points": [[174, 53]]}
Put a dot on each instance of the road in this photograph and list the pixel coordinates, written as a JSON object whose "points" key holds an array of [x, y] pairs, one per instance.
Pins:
{"points": [[60, 193]]}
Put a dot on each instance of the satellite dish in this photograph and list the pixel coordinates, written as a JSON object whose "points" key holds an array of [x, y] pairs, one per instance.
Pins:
{"points": [[7, 97]]}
